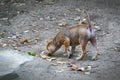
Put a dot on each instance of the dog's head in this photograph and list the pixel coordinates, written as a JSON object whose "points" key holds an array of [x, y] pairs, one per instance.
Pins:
{"points": [[50, 47]]}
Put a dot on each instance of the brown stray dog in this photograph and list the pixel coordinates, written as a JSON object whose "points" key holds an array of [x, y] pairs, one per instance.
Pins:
{"points": [[79, 34]]}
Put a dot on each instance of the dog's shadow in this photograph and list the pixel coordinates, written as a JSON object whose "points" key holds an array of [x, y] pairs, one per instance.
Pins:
{"points": [[61, 54]]}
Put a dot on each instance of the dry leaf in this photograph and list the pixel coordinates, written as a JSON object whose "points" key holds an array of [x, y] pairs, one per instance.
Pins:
{"points": [[23, 40], [62, 24], [44, 57], [87, 73], [60, 62], [51, 59], [75, 67]]}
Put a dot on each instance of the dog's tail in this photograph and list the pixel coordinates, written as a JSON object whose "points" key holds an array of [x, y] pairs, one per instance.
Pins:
{"points": [[89, 21]]}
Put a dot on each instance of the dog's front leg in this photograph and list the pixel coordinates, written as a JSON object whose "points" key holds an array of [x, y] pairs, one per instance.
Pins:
{"points": [[67, 47], [73, 50]]}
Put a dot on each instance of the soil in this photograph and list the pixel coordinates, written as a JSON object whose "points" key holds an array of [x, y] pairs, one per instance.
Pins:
{"points": [[26, 26]]}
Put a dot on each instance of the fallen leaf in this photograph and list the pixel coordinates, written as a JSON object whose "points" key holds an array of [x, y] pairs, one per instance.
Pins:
{"points": [[60, 62], [75, 67], [2, 34], [31, 54], [62, 24], [23, 40], [53, 18], [51, 59], [44, 57]]}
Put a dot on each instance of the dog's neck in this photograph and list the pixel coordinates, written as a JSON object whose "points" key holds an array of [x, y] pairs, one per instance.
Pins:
{"points": [[56, 41]]}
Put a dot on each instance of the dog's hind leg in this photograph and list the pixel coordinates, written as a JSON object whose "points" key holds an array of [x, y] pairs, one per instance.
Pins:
{"points": [[83, 47], [94, 44]]}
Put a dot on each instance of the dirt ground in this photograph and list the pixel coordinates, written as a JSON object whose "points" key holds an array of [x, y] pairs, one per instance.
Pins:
{"points": [[26, 26]]}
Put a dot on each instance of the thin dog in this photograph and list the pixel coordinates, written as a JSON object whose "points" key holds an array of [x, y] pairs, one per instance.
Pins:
{"points": [[73, 36]]}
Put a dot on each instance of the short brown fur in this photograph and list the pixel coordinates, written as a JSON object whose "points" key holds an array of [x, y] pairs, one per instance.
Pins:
{"points": [[73, 36]]}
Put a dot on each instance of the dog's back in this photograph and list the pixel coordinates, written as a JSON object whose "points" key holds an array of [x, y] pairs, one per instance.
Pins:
{"points": [[74, 33]]}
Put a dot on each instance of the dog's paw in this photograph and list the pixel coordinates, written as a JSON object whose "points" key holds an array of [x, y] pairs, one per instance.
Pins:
{"points": [[70, 55]]}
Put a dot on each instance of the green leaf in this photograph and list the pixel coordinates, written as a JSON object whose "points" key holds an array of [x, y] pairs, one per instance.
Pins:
{"points": [[31, 54]]}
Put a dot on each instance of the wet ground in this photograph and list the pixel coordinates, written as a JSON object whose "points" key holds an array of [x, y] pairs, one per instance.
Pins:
{"points": [[26, 26]]}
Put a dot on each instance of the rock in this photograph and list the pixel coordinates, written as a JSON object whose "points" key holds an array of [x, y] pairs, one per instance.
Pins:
{"points": [[26, 31], [4, 19], [77, 18], [77, 9], [117, 45], [41, 19], [4, 45], [97, 28], [53, 19], [117, 42], [47, 18], [10, 61]]}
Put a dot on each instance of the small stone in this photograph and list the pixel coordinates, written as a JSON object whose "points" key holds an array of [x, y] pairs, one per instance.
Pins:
{"points": [[97, 28], [46, 28], [77, 9], [26, 31], [4, 45], [89, 68], [77, 18], [41, 19], [87, 73], [53, 18], [117, 42], [14, 37], [18, 12], [47, 18], [4, 18], [84, 19]]}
